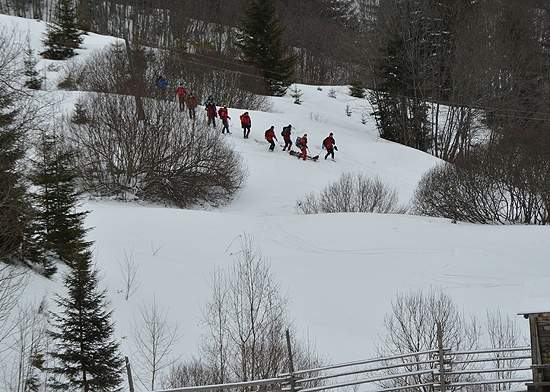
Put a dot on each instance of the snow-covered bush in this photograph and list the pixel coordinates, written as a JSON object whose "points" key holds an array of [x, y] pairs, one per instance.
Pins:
{"points": [[494, 185], [353, 193], [165, 157]]}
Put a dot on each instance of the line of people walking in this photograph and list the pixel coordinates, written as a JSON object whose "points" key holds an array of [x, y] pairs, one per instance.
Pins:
{"points": [[188, 99]]}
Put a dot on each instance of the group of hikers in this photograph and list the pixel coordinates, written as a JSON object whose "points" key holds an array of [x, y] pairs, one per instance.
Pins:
{"points": [[188, 99], [301, 142]]}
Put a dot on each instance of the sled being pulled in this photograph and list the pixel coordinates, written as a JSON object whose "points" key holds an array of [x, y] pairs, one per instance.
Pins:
{"points": [[297, 154]]}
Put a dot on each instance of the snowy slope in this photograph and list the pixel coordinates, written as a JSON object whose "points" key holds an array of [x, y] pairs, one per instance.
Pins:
{"points": [[339, 271]]}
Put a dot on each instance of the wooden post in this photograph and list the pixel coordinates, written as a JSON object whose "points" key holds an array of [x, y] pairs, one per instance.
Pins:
{"points": [[441, 354], [129, 372], [290, 363]]}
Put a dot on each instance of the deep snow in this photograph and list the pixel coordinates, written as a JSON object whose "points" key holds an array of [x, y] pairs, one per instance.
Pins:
{"points": [[339, 271]]}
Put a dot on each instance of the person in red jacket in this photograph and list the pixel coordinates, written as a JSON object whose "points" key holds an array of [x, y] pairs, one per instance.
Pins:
{"points": [[270, 137], [303, 147], [224, 116], [330, 145], [246, 124], [287, 134], [211, 111], [181, 93]]}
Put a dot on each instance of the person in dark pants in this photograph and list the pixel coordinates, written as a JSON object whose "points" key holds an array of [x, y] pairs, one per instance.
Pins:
{"points": [[180, 94], [246, 124], [223, 113], [162, 85], [192, 103], [270, 137], [286, 134], [303, 147], [330, 145], [211, 112]]}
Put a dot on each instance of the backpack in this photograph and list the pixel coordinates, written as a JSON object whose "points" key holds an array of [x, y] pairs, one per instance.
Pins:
{"points": [[298, 141], [266, 132]]}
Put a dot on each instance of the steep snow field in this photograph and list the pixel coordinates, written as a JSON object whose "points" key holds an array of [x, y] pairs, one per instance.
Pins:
{"points": [[339, 271]]}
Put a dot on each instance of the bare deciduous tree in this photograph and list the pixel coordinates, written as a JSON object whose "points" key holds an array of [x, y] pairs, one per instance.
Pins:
{"points": [[154, 340], [503, 332], [13, 282], [246, 320], [216, 318], [412, 327], [129, 271]]}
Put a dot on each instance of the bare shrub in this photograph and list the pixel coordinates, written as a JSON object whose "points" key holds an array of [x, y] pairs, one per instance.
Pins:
{"points": [[129, 272], [412, 325], [495, 185], [191, 373], [27, 371], [353, 193], [108, 71], [164, 158], [71, 75], [13, 282], [205, 77]]}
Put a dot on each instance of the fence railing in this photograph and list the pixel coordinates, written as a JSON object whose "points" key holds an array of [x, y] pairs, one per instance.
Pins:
{"points": [[438, 370]]}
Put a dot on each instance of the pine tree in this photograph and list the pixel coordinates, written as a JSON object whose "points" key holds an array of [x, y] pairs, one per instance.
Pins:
{"points": [[80, 116], [261, 42], [296, 93], [33, 80], [56, 198], [357, 89], [14, 207], [63, 36], [401, 114], [86, 354]]}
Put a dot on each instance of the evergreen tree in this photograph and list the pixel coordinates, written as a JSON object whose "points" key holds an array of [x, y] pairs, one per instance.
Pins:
{"points": [[33, 79], [59, 225], [296, 93], [86, 354], [80, 116], [14, 205], [261, 42], [401, 111], [63, 36], [357, 89]]}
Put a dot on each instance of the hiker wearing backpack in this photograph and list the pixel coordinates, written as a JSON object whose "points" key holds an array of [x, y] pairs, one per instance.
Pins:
{"points": [[330, 145], [181, 93], [246, 123], [192, 103], [211, 112], [301, 143], [224, 116], [286, 134], [270, 137]]}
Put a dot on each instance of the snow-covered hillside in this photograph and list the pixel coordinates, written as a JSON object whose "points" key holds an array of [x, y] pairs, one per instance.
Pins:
{"points": [[340, 271]]}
